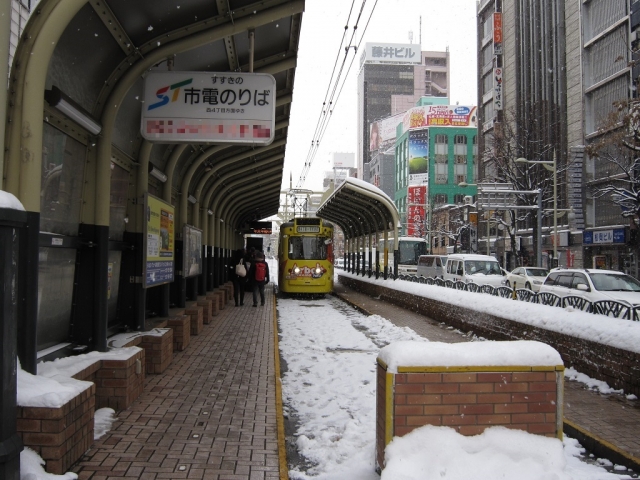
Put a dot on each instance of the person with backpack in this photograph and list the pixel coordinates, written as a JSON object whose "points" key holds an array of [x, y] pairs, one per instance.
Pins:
{"points": [[238, 273], [259, 276]]}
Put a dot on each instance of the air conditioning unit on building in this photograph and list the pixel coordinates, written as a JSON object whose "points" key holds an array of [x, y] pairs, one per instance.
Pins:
{"points": [[468, 199]]}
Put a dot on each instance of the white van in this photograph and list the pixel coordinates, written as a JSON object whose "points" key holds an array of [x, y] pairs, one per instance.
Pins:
{"points": [[431, 266], [479, 269]]}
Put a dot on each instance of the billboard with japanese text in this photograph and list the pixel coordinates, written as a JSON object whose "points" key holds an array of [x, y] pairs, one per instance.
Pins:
{"points": [[199, 107], [418, 160], [159, 237], [440, 116], [398, 53], [416, 210]]}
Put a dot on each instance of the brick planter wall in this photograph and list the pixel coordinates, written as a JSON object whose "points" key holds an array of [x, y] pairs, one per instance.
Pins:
{"points": [[468, 399], [158, 351], [59, 435], [221, 294], [215, 309], [205, 303], [181, 326], [118, 384], [619, 368], [195, 312]]}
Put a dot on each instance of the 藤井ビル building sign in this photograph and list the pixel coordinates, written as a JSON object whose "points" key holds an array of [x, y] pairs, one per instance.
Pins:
{"points": [[399, 53], [196, 107]]}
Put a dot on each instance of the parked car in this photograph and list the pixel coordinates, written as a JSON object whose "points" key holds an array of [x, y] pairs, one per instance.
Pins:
{"points": [[431, 265], [594, 285], [527, 277], [339, 263], [479, 269]]}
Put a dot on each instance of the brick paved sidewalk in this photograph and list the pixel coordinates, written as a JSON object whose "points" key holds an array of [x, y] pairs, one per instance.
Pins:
{"points": [[210, 415], [607, 425]]}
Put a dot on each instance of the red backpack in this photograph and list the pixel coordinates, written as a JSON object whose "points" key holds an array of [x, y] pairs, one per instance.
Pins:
{"points": [[261, 271]]}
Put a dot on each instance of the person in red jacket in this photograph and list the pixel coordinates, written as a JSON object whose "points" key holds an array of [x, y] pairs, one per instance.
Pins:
{"points": [[259, 276]]}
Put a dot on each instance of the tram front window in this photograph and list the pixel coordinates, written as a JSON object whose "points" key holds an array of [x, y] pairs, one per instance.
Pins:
{"points": [[307, 248]]}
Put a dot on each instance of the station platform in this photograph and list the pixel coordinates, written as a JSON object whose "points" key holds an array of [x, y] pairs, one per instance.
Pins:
{"points": [[212, 414], [216, 412]]}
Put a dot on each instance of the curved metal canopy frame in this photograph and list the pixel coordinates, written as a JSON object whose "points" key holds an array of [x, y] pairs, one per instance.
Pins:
{"points": [[98, 52], [361, 209]]}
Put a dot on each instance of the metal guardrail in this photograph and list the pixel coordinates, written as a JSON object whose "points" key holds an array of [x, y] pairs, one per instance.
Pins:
{"points": [[609, 308]]}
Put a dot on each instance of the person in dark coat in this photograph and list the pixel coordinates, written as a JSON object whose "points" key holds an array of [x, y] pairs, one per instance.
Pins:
{"points": [[238, 281], [259, 276]]}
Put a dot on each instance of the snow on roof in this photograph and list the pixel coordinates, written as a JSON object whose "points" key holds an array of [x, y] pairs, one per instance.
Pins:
{"points": [[7, 200], [473, 354]]}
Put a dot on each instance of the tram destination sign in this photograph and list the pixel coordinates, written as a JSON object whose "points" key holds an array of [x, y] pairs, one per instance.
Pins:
{"points": [[203, 107]]}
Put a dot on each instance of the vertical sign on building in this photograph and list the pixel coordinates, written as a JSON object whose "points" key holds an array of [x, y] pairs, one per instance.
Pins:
{"points": [[416, 211], [497, 33], [497, 88]]}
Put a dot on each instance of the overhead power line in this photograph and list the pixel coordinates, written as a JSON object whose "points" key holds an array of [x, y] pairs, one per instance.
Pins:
{"points": [[335, 88]]}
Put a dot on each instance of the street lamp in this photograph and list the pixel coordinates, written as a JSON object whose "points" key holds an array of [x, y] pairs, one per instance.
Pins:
{"points": [[552, 167]]}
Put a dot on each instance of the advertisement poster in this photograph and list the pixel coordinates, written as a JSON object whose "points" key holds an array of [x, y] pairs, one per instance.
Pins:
{"points": [[192, 251], [382, 134], [416, 210], [440, 116], [159, 245], [418, 162]]}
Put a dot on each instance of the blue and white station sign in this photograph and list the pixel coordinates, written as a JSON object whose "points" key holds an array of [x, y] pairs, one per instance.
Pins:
{"points": [[600, 237], [202, 107]]}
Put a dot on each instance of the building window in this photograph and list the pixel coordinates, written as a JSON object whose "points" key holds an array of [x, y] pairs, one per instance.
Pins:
{"points": [[460, 159], [458, 199], [440, 199]]}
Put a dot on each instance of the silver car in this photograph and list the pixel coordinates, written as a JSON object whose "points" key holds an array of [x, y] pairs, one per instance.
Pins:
{"points": [[594, 285], [527, 277]]}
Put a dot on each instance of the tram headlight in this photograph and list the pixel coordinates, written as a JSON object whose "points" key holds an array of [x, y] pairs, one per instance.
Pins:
{"points": [[296, 270], [318, 270]]}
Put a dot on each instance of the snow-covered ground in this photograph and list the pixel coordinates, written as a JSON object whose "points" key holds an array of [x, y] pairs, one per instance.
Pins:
{"points": [[330, 383]]}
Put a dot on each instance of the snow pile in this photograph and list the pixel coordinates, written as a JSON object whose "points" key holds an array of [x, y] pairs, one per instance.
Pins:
{"points": [[614, 332], [434, 453], [7, 200]]}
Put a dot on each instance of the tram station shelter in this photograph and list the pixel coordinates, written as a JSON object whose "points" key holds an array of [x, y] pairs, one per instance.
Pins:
{"points": [[142, 138], [365, 214]]}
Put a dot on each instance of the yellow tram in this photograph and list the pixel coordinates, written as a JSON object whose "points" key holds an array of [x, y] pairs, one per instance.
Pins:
{"points": [[305, 257]]}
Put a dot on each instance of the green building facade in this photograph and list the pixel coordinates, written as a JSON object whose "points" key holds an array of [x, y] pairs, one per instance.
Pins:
{"points": [[451, 159]]}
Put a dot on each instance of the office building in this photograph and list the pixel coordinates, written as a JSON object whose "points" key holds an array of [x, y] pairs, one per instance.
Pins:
{"points": [[392, 78]]}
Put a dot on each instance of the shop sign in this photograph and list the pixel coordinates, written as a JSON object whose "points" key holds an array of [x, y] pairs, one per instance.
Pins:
{"points": [[603, 237]]}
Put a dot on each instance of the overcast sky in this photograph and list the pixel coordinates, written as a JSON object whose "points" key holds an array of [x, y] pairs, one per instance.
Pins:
{"points": [[445, 23]]}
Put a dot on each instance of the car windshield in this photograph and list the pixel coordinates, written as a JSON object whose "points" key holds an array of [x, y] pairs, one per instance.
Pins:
{"points": [[612, 282], [537, 272], [479, 267]]}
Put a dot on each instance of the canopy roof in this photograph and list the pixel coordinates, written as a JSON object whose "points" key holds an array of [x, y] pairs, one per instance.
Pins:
{"points": [[360, 208], [98, 53]]}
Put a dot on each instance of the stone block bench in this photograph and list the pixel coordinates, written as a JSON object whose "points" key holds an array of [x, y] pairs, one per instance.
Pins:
{"points": [[181, 326], [468, 387], [60, 427], [157, 344]]}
